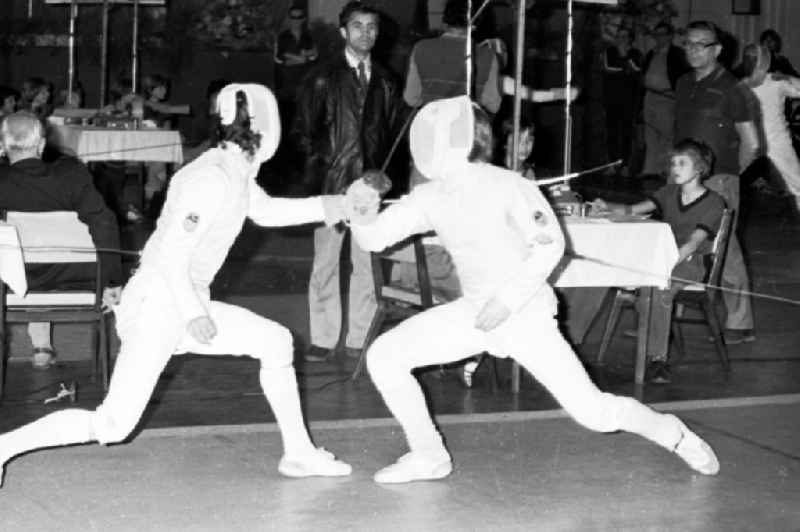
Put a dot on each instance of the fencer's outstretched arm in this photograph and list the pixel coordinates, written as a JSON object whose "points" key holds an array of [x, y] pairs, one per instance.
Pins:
{"points": [[269, 211], [534, 217], [400, 220]]}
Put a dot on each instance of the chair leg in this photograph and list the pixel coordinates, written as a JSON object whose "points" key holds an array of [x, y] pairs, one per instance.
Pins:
{"points": [[104, 352], [95, 350], [3, 353], [611, 326], [677, 339], [716, 331], [372, 333]]}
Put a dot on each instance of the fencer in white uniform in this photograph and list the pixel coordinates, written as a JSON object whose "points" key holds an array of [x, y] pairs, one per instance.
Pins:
{"points": [[505, 241], [166, 309]]}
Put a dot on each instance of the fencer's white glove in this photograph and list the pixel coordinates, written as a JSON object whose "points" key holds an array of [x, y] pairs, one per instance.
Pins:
{"points": [[202, 329], [333, 205], [493, 313], [361, 203]]}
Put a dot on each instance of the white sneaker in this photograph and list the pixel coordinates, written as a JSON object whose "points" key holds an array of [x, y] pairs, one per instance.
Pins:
{"points": [[695, 452], [317, 463], [416, 466]]}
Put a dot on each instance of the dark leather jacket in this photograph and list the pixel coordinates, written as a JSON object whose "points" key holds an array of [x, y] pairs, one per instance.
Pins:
{"points": [[337, 136]]}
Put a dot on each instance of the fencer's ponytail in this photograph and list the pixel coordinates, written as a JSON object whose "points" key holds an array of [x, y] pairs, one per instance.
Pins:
{"points": [[238, 131]]}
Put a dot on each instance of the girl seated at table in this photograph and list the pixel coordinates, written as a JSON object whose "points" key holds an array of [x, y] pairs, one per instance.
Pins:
{"points": [[694, 213]]}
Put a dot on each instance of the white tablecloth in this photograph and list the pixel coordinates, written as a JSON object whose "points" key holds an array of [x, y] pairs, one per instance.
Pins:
{"points": [[645, 251], [12, 267], [100, 144]]}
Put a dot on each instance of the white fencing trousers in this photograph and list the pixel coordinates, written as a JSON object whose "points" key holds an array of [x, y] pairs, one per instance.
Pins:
{"points": [[151, 332], [324, 298], [446, 333]]}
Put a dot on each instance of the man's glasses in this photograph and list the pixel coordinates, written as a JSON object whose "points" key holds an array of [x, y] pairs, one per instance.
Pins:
{"points": [[698, 45]]}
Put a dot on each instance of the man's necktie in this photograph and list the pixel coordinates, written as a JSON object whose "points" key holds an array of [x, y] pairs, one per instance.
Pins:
{"points": [[362, 75]]}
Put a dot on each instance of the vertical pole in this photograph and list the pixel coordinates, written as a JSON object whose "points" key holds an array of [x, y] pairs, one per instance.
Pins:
{"points": [[519, 55], [73, 14], [567, 90], [104, 55], [468, 92], [135, 45]]}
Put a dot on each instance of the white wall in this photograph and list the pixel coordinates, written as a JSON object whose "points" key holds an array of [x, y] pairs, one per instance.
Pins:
{"points": [[781, 15]]}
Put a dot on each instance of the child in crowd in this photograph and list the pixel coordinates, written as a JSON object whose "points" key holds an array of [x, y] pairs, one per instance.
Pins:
{"points": [[9, 98], [694, 214], [505, 242]]}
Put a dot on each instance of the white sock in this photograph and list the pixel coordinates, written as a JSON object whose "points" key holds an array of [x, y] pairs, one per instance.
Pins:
{"points": [[64, 427], [39, 333], [280, 388], [657, 427], [407, 403]]}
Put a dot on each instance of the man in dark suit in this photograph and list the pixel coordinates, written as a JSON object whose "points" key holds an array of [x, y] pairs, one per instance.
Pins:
{"points": [[29, 184]]}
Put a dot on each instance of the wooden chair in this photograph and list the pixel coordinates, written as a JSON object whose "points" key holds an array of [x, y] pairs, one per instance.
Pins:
{"points": [[44, 237], [700, 296], [394, 299]]}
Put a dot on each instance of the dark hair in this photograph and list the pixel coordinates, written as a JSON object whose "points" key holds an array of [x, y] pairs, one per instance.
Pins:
{"points": [[705, 25], [353, 7], [239, 131], [665, 26], [150, 83], [749, 60], [701, 154], [483, 139], [456, 13], [5, 92], [214, 86], [774, 35]]}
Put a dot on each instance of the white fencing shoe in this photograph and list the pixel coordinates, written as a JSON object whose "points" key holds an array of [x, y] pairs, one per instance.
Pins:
{"points": [[416, 466], [317, 463], [695, 452]]}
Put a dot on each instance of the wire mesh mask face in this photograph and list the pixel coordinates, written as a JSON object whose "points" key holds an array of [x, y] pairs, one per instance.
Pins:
{"points": [[441, 137], [264, 116]]}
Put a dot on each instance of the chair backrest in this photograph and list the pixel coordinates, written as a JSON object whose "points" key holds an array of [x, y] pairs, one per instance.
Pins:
{"points": [[52, 237], [719, 248], [410, 250]]}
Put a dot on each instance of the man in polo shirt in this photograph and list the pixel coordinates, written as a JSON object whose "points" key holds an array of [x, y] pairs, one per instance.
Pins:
{"points": [[711, 105]]}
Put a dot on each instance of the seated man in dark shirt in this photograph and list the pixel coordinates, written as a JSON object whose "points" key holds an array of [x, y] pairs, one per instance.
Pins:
{"points": [[29, 184]]}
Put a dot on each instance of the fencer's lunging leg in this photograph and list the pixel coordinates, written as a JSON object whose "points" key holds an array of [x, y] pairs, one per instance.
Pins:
{"points": [[241, 332], [553, 363]]}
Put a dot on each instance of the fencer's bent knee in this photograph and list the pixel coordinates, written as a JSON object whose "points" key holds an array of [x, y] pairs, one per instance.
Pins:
{"points": [[385, 361], [275, 350]]}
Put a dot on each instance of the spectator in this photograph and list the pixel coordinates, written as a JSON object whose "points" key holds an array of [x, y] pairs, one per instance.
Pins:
{"points": [[348, 116], [772, 90], [712, 106], [694, 214], [622, 66], [29, 184], [778, 63], [294, 53], [73, 99], [663, 65], [437, 67], [9, 98], [37, 97]]}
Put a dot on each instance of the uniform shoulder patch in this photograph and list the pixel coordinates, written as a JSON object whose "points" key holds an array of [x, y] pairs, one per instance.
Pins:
{"points": [[539, 218], [190, 222]]}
